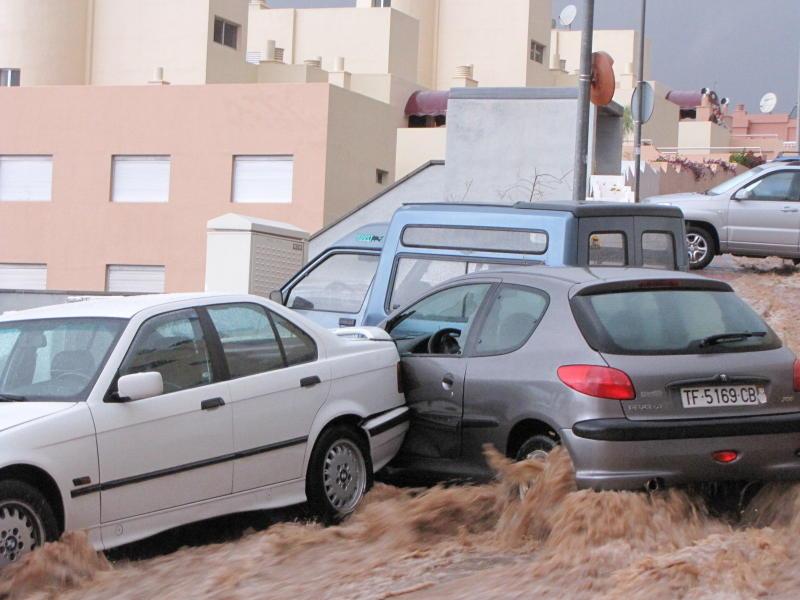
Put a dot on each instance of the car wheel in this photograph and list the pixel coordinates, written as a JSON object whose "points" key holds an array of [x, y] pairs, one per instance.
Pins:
{"points": [[536, 447], [27, 521], [701, 247], [339, 473]]}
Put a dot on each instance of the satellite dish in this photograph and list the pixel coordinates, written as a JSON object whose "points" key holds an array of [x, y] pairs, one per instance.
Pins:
{"points": [[568, 15], [603, 82], [767, 102]]}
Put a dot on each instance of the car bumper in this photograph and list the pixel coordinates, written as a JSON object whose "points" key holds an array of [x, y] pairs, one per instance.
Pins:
{"points": [[631, 464], [386, 434]]}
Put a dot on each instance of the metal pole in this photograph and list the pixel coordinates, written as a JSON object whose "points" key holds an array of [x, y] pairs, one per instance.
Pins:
{"points": [[637, 129], [584, 93], [797, 110]]}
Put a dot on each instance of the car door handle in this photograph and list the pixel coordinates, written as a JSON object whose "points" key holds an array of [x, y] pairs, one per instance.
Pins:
{"points": [[448, 381], [212, 403], [789, 209], [310, 381]]}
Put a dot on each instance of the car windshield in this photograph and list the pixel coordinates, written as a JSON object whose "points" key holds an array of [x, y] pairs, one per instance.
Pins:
{"points": [[734, 182], [649, 322], [49, 360]]}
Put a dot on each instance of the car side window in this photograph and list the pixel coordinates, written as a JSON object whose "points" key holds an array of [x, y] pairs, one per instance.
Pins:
{"points": [[608, 248], [452, 308], [510, 321], [780, 186], [658, 250], [248, 338], [171, 344], [298, 346]]}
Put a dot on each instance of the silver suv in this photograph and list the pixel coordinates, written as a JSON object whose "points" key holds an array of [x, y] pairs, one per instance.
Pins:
{"points": [[756, 213]]}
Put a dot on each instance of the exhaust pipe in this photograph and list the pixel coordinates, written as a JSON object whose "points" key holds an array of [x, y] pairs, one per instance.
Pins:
{"points": [[654, 485]]}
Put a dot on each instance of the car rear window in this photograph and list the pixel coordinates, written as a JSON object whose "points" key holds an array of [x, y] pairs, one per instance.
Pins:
{"points": [[649, 322]]}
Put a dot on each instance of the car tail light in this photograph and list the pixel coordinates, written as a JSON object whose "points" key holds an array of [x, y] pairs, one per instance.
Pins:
{"points": [[797, 375], [600, 382], [725, 456]]}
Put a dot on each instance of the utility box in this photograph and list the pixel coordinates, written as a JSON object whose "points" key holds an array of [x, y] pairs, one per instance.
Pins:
{"points": [[246, 255]]}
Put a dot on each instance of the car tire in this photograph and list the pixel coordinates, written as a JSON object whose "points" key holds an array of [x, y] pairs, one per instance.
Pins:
{"points": [[702, 247], [536, 446], [27, 520], [339, 473]]}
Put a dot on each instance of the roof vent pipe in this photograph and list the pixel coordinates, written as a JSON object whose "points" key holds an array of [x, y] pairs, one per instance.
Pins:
{"points": [[314, 63], [339, 64], [278, 54], [464, 71], [270, 50]]}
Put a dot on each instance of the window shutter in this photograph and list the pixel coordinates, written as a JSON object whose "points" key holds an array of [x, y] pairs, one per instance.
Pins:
{"points": [[23, 277], [140, 179], [263, 179], [135, 278], [26, 178]]}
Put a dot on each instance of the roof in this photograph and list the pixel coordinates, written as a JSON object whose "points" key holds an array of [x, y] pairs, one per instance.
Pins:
{"points": [[237, 222], [427, 103], [593, 208], [121, 307]]}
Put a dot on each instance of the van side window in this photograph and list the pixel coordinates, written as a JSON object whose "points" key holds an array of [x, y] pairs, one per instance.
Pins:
{"points": [[658, 250], [608, 249], [338, 284]]}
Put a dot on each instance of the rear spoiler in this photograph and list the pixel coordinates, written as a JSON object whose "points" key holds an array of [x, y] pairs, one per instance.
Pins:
{"points": [[375, 334], [641, 285]]}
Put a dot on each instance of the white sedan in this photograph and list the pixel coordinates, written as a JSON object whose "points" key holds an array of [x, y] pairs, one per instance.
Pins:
{"points": [[129, 416]]}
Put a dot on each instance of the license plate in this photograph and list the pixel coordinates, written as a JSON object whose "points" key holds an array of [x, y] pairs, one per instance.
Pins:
{"points": [[727, 395]]}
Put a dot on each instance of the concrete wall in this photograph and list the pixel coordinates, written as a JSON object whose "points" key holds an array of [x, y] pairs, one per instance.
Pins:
{"points": [[699, 137], [424, 185], [80, 231], [662, 178], [418, 145], [47, 40]]}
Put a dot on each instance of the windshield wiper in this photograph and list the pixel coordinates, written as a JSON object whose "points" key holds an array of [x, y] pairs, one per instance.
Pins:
{"points": [[12, 398], [722, 338]]}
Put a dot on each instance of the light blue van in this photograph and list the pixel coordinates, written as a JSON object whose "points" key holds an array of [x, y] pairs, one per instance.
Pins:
{"points": [[378, 268]]}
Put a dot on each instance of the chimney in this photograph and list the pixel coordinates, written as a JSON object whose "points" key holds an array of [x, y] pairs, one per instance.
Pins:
{"points": [[339, 76], [278, 54], [339, 64], [314, 63], [270, 55], [158, 77], [463, 77]]}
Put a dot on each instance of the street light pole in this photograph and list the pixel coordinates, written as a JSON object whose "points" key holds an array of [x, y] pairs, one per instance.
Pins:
{"points": [[637, 134], [797, 110], [584, 93]]}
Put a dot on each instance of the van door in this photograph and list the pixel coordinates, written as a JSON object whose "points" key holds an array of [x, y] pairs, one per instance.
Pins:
{"points": [[332, 290], [606, 241]]}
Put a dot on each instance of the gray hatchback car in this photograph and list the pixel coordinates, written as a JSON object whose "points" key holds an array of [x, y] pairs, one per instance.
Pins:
{"points": [[648, 378]]}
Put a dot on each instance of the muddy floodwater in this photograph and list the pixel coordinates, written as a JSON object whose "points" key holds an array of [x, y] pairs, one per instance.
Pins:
{"points": [[482, 541]]}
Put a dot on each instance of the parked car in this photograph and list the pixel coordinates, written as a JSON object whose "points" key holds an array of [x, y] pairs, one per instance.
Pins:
{"points": [[647, 378], [756, 213], [374, 270], [128, 416]]}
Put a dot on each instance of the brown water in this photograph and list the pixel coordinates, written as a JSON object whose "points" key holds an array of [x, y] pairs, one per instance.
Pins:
{"points": [[480, 541]]}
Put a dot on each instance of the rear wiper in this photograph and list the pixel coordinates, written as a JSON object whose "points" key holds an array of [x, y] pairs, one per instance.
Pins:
{"points": [[12, 398], [722, 338]]}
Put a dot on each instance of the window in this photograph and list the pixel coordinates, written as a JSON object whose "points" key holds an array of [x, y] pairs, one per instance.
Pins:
{"points": [[780, 186], [171, 344], [537, 52], [608, 249], [263, 179], [658, 250], [226, 33], [381, 3], [23, 277], [297, 344], [9, 77], [415, 276], [140, 178], [668, 322], [26, 178], [381, 176], [248, 339], [338, 284], [476, 238], [135, 279], [513, 316], [734, 182], [54, 359], [454, 308]]}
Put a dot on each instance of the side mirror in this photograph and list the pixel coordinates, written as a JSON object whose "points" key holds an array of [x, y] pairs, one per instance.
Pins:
{"points": [[743, 194], [139, 386], [276, 296]]}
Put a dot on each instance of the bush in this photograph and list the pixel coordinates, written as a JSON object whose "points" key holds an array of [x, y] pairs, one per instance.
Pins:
{"points": [[747, 159]]}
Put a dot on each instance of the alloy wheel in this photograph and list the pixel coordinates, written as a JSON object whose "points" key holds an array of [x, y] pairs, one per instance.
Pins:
{"points": [[698, 248], [344, 475], [21, 530]]}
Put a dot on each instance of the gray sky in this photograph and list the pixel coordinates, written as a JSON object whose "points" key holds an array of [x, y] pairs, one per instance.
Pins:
{"points": [[741, 48]]}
